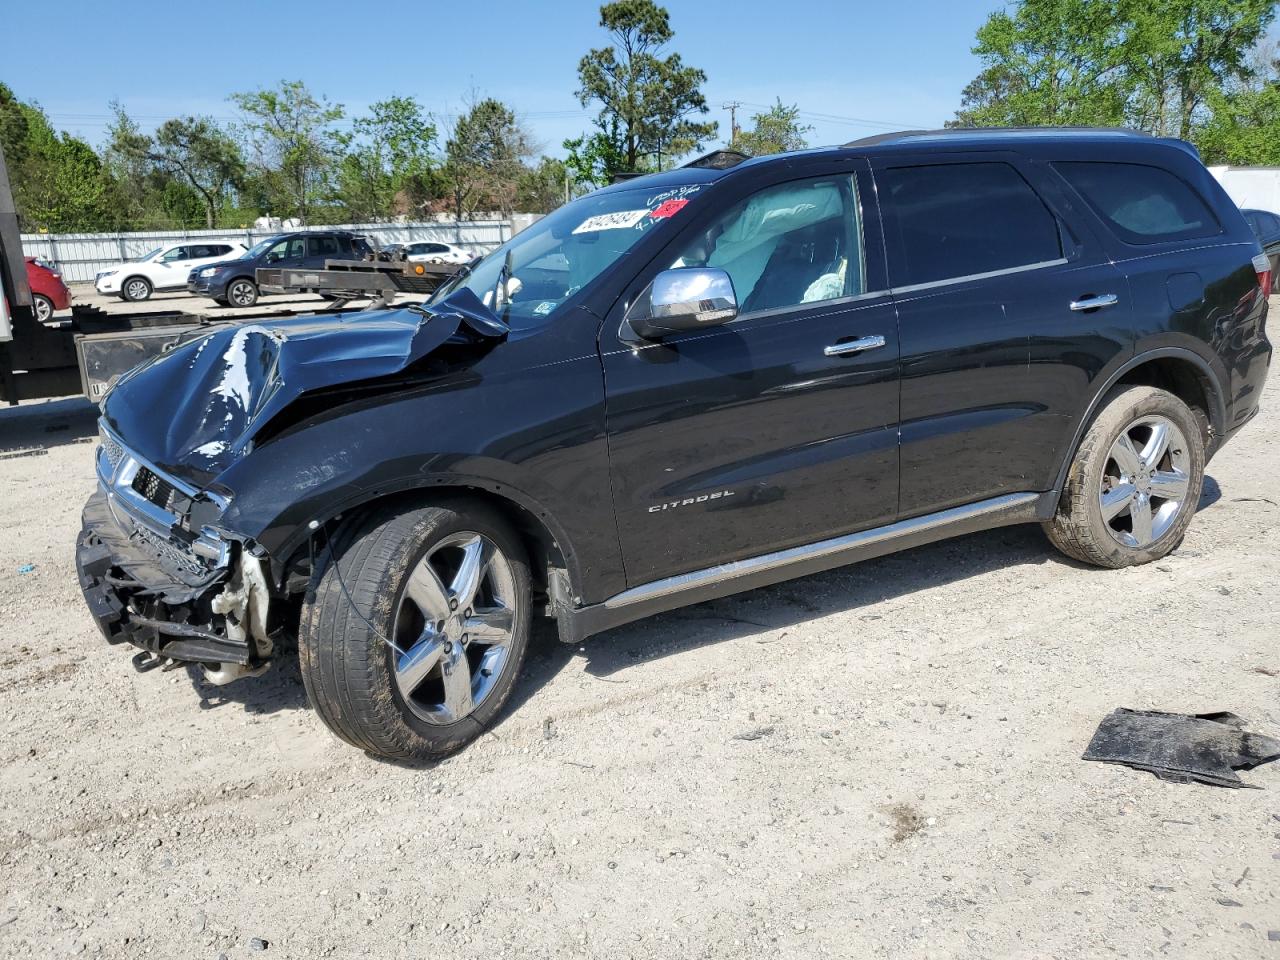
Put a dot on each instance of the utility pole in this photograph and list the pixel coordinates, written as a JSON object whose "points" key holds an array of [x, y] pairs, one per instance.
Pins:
{"points": [[732, 106]]}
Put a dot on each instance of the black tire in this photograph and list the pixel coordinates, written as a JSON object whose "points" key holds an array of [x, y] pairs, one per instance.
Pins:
{"points": [[1079, 528], [242, 292], [361, 578], [135, 289], [42, 307]]}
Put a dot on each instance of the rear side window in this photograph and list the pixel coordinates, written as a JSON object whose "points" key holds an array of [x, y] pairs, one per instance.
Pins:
{"points": [[963, 219], [1142, 204], [323, 246]]}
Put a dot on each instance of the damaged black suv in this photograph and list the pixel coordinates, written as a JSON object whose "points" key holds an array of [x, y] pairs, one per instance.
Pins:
{"points": [[673, 389]]}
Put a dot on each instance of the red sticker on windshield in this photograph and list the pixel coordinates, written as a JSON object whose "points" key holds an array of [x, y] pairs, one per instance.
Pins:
{"points": [[668, 208]]}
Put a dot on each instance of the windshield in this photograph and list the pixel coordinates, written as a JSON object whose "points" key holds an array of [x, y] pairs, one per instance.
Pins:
{"points": [[151, 254], [548, 262], [258, 249]]}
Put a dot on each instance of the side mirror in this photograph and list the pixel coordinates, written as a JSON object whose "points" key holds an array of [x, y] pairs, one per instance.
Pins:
{"points": [[683, 298]]}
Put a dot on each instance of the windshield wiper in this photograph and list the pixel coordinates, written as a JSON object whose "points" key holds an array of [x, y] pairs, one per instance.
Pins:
{"points": [[501, 286]]}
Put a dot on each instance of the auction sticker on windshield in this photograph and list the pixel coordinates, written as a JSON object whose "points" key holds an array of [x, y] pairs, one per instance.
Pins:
{"points": [[611, 221]]}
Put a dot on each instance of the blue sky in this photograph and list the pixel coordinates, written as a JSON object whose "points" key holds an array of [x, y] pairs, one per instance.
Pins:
{"points": [[854, 68]]}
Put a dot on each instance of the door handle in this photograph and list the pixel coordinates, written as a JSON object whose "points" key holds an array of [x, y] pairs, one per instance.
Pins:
{"points": [[850, 347], [1095, 303]]}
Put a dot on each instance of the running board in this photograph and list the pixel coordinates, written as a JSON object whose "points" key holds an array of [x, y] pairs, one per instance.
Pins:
{"points": [[739, 575]]}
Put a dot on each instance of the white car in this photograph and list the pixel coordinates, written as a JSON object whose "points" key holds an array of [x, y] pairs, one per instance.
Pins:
{"points": [[433, 251], [164, 268]]}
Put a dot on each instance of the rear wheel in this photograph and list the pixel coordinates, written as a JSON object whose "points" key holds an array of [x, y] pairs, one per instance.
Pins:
{"points": [[417, 629], [1134, 483], [135, 289], [242, 293], [43, 307]]}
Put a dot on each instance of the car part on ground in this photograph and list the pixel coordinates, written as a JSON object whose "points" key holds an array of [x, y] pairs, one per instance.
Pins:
{"points": [[1203, 748], [685, 386]]}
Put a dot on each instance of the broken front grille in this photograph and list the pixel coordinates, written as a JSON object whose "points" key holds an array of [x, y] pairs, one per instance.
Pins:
{"points": [[153, 487], [113, 451]]}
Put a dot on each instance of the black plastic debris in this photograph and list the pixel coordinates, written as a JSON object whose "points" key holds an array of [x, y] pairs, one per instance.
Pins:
{"points": [[1205, 748]]}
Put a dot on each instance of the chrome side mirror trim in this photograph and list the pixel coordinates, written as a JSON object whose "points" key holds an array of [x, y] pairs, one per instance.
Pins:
{"points": [[683, 298]]}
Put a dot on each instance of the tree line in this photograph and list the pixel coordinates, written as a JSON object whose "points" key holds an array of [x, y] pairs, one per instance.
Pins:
{"points": [[1202, 70]]}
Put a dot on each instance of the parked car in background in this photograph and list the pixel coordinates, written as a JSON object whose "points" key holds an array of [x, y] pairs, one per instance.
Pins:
{"points": [[234, 282], [433, 251], [1266, 227], [677, 388], [164, 268], [48, 292]]}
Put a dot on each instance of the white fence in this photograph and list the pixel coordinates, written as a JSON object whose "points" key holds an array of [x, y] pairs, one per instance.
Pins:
{"points": [[81, 255]]}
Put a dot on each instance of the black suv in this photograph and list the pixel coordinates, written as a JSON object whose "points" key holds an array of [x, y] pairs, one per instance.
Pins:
{"points": [[234, 282], [680, 387]]}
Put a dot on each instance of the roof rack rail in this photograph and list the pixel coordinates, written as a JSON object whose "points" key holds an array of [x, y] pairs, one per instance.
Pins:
{"points": [[962, 132]]}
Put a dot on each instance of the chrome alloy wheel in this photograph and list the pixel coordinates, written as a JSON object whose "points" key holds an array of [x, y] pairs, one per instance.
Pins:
{"points": [[241, 293], [1145, 481], [454, 628], [137, 289], [44, 308]]}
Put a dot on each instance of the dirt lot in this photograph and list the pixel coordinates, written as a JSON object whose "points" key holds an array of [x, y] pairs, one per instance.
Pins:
{"points": [[881, 761]]}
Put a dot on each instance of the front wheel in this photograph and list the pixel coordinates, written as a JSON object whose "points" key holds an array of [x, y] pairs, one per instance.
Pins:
{"points": [[413, 635], [242, 293], [135, 289], [43, 307], [1134, 483]]}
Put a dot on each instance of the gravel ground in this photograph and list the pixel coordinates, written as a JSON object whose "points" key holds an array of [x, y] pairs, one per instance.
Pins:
{"points": [[880, 761]]}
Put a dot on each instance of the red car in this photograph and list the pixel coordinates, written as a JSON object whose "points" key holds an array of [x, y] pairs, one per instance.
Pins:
{"points": [[48, 292]]}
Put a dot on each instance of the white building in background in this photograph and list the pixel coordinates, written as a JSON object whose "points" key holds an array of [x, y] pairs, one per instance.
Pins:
{"points": [[1254, 187]]}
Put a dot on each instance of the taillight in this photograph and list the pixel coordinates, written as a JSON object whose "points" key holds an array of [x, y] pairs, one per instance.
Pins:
{"points": [[1262, 267]]}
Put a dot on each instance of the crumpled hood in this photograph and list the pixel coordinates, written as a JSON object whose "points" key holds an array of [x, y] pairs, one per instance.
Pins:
{"points": [[194, 410]]}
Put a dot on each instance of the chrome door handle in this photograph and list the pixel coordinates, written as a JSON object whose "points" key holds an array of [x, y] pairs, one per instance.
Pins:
{"points": [[1095, 303], [850, 347]]}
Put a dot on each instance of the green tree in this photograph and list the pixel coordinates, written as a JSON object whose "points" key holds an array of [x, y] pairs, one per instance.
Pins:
{"points": [[647, 101], [542, 188], [593, 159], [1157, 65], [58, 181], [290, 136], [1048, 62], [1180, 54], [1243, 123], [194, 150], [388, 160], [775, 131], [484, 158]]}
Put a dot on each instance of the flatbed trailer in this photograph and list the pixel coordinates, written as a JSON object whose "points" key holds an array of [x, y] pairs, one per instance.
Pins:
{"points": [[342, 280]]}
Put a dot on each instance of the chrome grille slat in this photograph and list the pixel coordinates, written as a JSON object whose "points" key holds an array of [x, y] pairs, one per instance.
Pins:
{"points": [[141, 499]]}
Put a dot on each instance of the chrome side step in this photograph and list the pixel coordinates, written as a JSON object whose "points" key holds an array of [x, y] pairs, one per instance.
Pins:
{"points": [[739, 575]]}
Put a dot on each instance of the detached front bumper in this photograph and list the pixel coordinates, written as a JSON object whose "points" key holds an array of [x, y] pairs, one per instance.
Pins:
{"points": [[135, 597]]}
